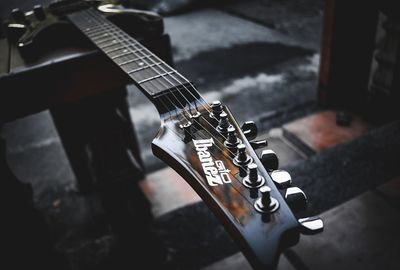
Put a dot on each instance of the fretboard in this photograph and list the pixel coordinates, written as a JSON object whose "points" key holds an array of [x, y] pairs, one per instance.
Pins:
{"points": [[146, 69]]}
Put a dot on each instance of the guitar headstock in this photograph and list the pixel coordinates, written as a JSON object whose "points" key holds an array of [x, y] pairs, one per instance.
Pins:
{"points": [[249, 195]]}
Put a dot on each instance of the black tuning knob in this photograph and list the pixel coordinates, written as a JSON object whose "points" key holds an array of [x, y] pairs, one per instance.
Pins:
{"points": [[232, 141], [18, 15], [311, 225], [250, 130], [259, 144], [269, 159], [266, 203], [38, 10], [281, 178], [296, 199], [242, 159], [216, 107], [253, 179]]}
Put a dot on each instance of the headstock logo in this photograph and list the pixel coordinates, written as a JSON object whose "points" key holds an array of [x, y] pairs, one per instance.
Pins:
{"points": [[215, 170]]}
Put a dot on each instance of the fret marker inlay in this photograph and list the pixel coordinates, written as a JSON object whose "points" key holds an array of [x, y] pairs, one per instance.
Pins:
{"points": [[148, 71]]}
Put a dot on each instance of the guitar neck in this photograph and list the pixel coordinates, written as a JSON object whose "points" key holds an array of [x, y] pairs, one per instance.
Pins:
{"points": [[151, 74]]}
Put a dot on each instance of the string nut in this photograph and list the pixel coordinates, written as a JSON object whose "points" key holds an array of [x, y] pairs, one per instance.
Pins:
{"points": [[188, 129], [195, 117]]}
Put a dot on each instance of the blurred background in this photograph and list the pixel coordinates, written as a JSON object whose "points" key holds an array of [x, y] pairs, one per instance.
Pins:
{"points": [[319, 78]]}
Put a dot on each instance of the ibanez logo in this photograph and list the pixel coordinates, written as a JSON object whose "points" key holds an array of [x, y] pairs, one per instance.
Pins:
{"points": [[215, 171]]}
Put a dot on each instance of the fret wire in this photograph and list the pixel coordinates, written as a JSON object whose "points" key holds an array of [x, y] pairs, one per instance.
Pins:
{"points": [[115, 49], [155, 77], [114, 42], [135, 59], [183, 106], [142, 58], [142, 68], [162, 76], [188, 101], [99, 35], [120, 55], [117, 33], [103, 40], [178, 81], [96, 28]]}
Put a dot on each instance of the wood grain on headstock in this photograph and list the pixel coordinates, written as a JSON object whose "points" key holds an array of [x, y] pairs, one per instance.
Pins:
{"points": [[262, 236]]}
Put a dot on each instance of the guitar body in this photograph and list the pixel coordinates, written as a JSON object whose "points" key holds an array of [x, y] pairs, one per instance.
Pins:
{"points": [[42, 36], [252, 198]]}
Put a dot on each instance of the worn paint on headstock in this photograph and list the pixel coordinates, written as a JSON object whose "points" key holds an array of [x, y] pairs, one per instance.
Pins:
{"points": [[262, 236]]}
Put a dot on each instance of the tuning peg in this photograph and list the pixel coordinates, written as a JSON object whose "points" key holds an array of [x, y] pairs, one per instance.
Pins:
{"points": [[266, 203], [242, 159], [216, 107], [38, 10], [269, 159], [281, 178], [232, 141], [223, 123], [296, 199], [258, 144], [311, 225], [250, 130], [18, 15], [253, 179]]}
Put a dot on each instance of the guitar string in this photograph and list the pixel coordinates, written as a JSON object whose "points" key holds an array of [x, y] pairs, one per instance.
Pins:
{"points": [[122, 34], [221, 150], [216, 145], [117, 33], [177, 100], [189, 119], [128, 38], [213, 155], [244, 168], [97, 15], [103, 26]]}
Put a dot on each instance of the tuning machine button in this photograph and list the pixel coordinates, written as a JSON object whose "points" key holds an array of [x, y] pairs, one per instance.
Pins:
{"points": [[38, 10], [18, 15], [296, 199], [311, 225], [259, 144], [266, 203], [253, 179], [269, 159], [281, 178], [232, 141], [242, 159], [250, 130], [217, 109]]}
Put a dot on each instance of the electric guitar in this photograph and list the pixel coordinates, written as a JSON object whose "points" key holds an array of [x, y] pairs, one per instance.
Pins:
{"points": [[202, 141]]}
